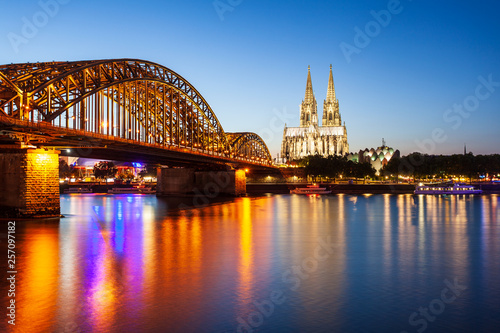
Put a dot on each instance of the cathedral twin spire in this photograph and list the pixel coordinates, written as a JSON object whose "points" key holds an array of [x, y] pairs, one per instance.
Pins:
{"points": [[312, 137], [308, 108]]}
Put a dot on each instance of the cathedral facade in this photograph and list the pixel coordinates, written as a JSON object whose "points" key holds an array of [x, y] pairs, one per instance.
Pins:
{"points": [[310, 138]]}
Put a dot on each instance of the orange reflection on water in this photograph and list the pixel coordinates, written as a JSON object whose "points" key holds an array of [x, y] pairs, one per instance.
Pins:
{"points": [[37, 289], [341, 198], [246, 251], [387, 233], [70, 273], [172, 266], [494, 211], [196, 245], [189, 251]]}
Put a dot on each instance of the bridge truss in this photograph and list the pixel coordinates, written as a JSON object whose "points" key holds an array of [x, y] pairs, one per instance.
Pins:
{"points": [[122, 99]]}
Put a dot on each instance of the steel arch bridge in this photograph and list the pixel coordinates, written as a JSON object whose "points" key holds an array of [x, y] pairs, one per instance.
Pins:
{"points": [[128, 101]]}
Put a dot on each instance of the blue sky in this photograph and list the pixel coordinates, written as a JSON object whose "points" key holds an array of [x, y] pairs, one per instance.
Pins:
{"points": [[425, 79]]}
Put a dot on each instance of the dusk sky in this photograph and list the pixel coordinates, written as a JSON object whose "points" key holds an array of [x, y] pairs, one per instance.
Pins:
{"points": [[424, 75]]}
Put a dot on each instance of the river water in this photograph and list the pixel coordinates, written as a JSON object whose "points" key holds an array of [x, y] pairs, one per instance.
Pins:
{"points": [[276, 263]]}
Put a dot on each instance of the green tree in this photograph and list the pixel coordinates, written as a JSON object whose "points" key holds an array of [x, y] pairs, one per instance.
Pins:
{"points": [[150, 171], [393, 167], [363, 170], [64, 169], [316, 166], [336, 166], [105, 170]]}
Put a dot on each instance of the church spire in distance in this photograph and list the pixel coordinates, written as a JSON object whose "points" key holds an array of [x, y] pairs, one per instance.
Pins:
{"points": [[330, 94], [331, 113], [309, 98], [309, 108]]}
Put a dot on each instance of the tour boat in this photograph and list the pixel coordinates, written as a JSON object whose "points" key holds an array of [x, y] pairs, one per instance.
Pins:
{"points": [[140, 189], [78, 190], [310, 189], [448, 188]]}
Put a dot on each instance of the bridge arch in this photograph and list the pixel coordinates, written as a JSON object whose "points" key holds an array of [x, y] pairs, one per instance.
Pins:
{"points": [[130, 99], [133, 99], [248, 144]]}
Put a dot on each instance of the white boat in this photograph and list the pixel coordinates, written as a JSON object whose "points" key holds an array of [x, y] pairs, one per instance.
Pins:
{"points": [[140, 189], [448, 188], [78, 190], [311, 189]]}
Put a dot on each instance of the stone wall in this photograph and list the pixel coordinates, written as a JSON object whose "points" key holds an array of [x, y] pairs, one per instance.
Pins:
{"points": [[220, 182], [173, 181], [240, 182], [29, 183]]}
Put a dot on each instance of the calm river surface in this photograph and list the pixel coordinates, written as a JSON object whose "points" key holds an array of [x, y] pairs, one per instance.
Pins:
{"points": [[280, 263]]}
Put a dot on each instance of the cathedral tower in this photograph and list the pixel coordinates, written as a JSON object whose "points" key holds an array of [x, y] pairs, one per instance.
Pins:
{"points": [[331, 114], [311, 138], [309, 108]]}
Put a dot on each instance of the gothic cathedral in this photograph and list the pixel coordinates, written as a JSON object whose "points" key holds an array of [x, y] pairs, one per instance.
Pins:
{"points": [[310, 139]]}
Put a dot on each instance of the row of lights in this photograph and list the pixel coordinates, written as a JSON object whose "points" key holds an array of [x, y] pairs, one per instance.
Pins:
{"points": [[104, 124]]}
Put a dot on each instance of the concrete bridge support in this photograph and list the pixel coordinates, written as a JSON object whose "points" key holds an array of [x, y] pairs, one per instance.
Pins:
{"points": [[172, 181], [29, 182]]}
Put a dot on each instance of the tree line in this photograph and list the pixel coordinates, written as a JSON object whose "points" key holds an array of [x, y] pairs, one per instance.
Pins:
{"points": [[335, 167], [420, 166], [414, 165]]}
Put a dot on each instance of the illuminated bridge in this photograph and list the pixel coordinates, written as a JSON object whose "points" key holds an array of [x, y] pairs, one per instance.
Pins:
{"points": [[123, 109], [125, 105]]}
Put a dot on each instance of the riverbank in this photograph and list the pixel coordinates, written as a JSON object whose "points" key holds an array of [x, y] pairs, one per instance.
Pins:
{"points": [[98, 187], [282, 188]]}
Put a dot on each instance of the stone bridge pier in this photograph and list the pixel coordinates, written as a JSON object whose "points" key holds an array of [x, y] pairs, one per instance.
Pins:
{"points": [[29, 182], [172, 181]]}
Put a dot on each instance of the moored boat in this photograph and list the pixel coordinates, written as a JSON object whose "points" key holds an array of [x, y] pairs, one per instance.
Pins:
{"points": [[140, 189], [78, 190], [311, 189], [447, 188]]}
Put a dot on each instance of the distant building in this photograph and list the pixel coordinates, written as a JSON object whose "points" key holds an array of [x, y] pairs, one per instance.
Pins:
{"points": [[376, 157], [310, 138]]}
